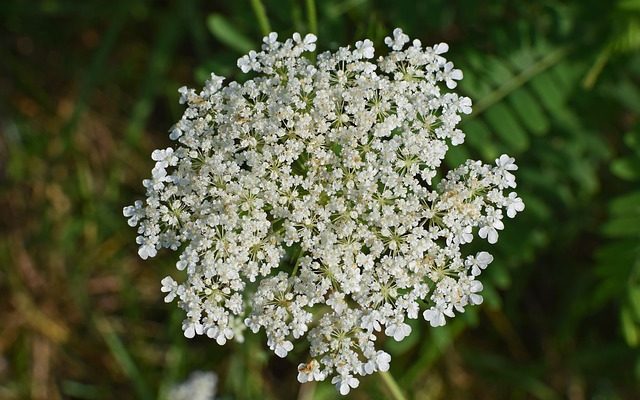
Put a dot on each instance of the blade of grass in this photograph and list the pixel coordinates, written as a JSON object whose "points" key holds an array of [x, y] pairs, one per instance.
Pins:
{"points": [[123, 358], [261, 16]]}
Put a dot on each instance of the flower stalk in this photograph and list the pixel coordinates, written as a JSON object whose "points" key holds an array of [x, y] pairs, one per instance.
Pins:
{"points": [[392, 385]]}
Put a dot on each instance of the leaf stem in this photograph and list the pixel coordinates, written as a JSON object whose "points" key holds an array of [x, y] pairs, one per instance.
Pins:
{"points": [[261, 16], [392, 385]]}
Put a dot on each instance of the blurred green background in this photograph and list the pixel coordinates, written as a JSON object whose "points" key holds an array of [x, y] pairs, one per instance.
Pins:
{"points": [[89, 88]]}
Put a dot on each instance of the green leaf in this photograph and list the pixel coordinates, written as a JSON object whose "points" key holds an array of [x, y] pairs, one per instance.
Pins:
{"points": [[537, 207], [508, 85], [491, 297], [584, 175], [478, 135], [616, 259], [626, 168], [626, 92], [623, 226], [524, 57], [634, 301], [226, 33], [502, 120], [626, 204], [566, 77], [472, 86], [629, 329], [529, 111], [632, 140], [629, 5], [628, 39], [547, 91], [499, 275], [497, 71]]}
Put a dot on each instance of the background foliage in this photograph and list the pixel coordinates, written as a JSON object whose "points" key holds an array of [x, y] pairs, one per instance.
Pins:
{"points": [[88, 89]]}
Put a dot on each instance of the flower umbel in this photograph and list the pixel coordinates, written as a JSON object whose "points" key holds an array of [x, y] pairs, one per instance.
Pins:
{"points": [[301, 202]]}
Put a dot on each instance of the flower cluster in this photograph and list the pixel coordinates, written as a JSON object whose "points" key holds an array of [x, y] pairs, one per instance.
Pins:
{"points": [[301, 202]]}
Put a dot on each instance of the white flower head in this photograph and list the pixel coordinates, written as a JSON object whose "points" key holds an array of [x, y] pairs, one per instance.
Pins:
{"points": [[398, 40], [451, 75], [478, 262], [506, 164], [441, 48], [170, 287], [514, 204], [345, 383], [164, 158], [364, 49], [308, 43], [271, 40], [249, 62], [301, 202], [310, 371]]}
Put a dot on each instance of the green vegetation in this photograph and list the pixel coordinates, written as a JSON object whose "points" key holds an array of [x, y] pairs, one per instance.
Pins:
{"points": [[89, 88]]}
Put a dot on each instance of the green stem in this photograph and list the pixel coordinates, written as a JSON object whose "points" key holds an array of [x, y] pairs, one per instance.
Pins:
{"points": [[261, 15], [392, 385], [312, 16], [297, 263]]}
